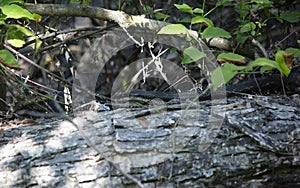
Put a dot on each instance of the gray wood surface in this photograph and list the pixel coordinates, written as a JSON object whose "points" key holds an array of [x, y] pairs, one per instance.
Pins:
{"points": [[257, 145]]}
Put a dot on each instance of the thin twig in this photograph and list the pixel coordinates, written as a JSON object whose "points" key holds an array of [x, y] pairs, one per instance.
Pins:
{"points": [[260, 46]]}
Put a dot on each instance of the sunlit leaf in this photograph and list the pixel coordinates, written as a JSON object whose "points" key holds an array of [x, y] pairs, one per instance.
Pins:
{"points": [[173, 29], [37, 17], [264, 62], [231, 58], [16, 12], [15, 38], [8, 58], [217, 78], [279, 64], [215, 32], [198, 10], [191, 54], [22, 29], [16, 42], [224, 74], [202, 20], [279, 58], [184, 8]]}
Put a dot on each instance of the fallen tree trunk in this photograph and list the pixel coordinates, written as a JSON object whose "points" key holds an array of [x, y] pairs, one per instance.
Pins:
{"points": [[257, 145]]}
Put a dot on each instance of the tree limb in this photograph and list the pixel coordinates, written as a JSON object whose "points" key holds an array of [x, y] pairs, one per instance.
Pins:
{"points": [[119, 17]]}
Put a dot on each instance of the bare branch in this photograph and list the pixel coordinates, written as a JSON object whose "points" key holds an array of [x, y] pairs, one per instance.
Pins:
{"points": [[119, 17]]}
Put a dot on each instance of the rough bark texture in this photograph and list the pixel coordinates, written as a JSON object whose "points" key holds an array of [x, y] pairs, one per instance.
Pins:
{"points": [[257, 145]]}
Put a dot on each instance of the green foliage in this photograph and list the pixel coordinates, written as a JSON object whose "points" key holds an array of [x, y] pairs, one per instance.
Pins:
{"points": [[230, 57], [191, 54], [281, 62], [202, 20], [248, 27], [211, 31], [8, 58], [295, 51], [186, 8], [292, 17], [224, 74], [215, 32], [16, 12], [161, 16], [229, 71], [13, 33], [173, 29]]}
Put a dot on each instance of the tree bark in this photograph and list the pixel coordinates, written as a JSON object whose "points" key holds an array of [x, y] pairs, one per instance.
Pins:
{"points": [[257, 145]]}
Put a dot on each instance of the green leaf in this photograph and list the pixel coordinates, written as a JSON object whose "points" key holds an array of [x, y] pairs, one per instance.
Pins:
{"points": [[198, 11], [263, 62], [295, 51], [22, 29], [8, 2], [278, 64], [191, 54], [265, 69], [215, 32], [37, 17], [224, 74], [202, 20], [292, 17], [185, 20], [161, 16], [148, 9], [15, 37], [248, 27], [241, 37], [282, 65], [18, 43], [217, 77], [231, 56], [8, 58], [173, 29], [16, 12], [184, 8]]}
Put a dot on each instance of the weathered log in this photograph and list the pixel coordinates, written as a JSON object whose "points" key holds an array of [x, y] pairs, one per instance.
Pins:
{"points": [[258, 145]]}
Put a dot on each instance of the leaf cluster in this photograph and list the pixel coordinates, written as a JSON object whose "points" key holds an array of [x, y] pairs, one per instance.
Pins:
{"points": [[248, 28], [13, 23]]}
